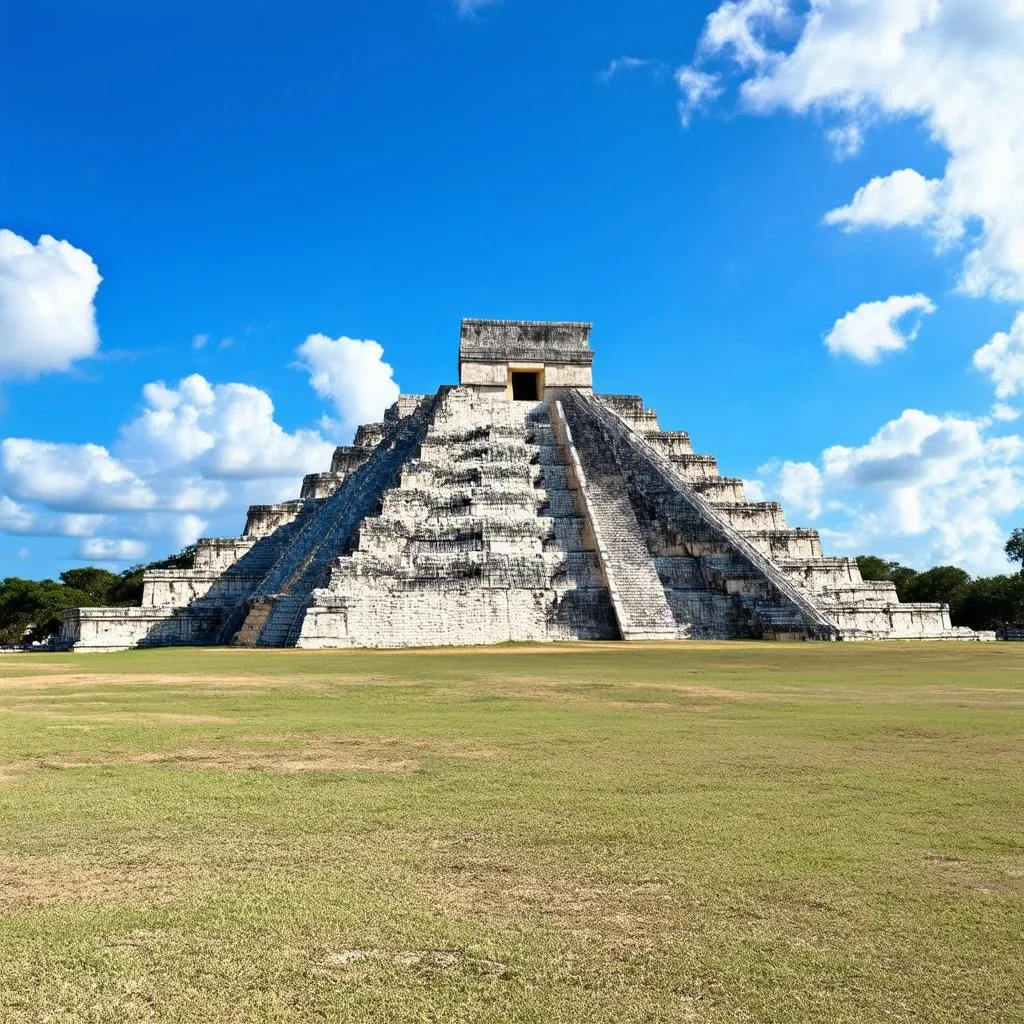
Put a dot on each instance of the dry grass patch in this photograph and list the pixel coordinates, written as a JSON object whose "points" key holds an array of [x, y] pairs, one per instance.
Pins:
{"points": [[43, 881], [429, 961]]}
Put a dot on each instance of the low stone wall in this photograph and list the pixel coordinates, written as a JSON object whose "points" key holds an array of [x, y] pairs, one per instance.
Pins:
{"points": [[103, 630], [320, 485], [219, 553], [175, 588], [263, 520], [442, 617]]}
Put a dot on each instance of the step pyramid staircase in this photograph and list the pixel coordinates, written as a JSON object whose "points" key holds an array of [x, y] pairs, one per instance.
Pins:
{"points": [[479, 516]]}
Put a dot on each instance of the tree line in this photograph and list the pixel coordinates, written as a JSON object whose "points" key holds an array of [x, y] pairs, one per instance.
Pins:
{"points": [[31, 610], [985, 602]]}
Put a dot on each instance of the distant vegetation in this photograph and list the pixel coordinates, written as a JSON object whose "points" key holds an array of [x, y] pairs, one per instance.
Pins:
{"points": [[988, 602], [31, 609]]}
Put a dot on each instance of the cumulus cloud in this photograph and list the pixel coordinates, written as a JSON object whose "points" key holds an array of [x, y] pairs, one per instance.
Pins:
{"points": [[873, 328], [1002, 360], [15, 518], [107, 549], [352, 374], [799, 486], [47, 317], [227, 431], [932, 488], [188, 529], [952, 65], [72, 477], [742, 28], [19, 519], [903, 197]]}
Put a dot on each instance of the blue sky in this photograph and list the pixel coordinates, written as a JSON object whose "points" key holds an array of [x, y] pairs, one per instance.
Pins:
{"points": [[245, 176]]}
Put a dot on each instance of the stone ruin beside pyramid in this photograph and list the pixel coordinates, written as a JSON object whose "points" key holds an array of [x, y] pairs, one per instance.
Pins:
{"points": [[518, 505]]}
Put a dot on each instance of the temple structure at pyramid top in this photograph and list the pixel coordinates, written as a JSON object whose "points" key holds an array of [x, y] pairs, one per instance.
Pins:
{"points": [[515, 505], [496, 355]]}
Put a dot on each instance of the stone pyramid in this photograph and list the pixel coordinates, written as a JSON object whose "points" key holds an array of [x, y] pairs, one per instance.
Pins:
{"points": [[517, 505]]}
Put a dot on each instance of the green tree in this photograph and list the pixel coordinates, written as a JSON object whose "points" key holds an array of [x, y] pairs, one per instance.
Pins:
{"points": [[97, 583], [992, 602], [874, 569], [1015, 547], [946, 583], [31, 609]]}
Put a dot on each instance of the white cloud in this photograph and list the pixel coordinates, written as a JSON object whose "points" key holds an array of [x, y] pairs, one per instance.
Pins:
{"points": [[71, 477], [1004, 413], [188, 529], [352, 374], [194, 450], [873, 328], [904, 197], [15, 518], [754, 490], [19, 519], [800, 487], [953, 65], [227, 431], [697, 89], [845, 140], [740, 27], [1002, 359], [925, 488], [620, 64], [80, 524], [47, 318], [106, 549], [199, 341]]}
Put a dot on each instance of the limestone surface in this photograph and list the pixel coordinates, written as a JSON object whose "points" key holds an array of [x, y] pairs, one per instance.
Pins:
{"points": [[517, 505]]}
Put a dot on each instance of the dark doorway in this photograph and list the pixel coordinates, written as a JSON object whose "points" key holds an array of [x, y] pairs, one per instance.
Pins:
{"points": [[525, 386]]}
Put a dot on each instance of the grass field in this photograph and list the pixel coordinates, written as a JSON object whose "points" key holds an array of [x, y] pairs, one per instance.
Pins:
{"points": [[596, 833]]}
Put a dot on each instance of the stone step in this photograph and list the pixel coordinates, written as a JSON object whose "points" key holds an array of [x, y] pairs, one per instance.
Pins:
{"points": [[791, 543], [719, 490], [672, 442], [709, 615], [320, 485], [694, 468], [752, 517], [820, 573], [558, 502], [638, 597], [679, 571]]}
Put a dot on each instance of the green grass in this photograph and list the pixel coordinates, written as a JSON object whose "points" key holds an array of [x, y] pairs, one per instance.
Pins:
{"points": [[599, 833]]}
